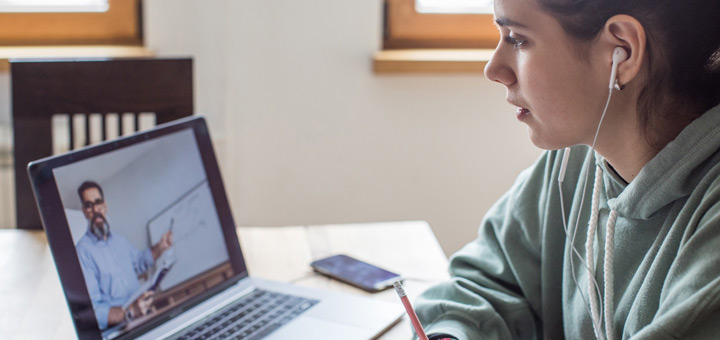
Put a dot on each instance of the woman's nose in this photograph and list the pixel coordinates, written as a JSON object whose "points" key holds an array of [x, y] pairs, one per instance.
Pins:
{"points": [[498, 70]]}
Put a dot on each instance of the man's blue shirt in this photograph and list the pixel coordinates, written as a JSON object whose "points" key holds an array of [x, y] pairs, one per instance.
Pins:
{"points": [[111, 268]]}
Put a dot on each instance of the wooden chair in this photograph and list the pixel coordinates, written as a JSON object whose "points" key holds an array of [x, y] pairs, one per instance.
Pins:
{"points": [[42, 89]]}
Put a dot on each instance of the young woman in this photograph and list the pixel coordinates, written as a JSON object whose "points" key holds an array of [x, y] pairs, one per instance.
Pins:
{"points": [[628, 245]]}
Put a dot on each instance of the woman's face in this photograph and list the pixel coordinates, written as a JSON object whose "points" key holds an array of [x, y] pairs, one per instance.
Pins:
{"points": [[559, 94]]}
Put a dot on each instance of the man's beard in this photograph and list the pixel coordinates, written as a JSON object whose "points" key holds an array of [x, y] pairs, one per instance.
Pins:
{"points": [[102, 229]]}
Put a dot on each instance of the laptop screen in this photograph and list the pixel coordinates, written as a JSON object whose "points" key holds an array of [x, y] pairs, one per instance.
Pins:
{"points": [[145, 227]]}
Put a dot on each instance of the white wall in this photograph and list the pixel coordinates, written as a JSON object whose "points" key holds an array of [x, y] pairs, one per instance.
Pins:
{"points": [[4, 98], [311, 135]]}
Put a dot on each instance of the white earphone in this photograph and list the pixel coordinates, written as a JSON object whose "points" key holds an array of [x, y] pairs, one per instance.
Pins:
{"points": [[619, 54]]}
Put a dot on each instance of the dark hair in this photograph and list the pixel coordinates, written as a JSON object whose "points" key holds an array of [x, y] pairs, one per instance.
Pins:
{"points": [[683, 49], [87, 185]]}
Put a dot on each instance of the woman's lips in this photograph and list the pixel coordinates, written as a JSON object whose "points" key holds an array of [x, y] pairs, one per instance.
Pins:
{"points": [[522, 113]]}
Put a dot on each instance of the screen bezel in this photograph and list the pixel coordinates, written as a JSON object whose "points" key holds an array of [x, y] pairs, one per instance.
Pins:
{"points": [[60, 239]]}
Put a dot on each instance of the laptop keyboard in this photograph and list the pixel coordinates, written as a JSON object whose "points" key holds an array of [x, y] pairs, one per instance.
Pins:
{"points": [[252, 317]]}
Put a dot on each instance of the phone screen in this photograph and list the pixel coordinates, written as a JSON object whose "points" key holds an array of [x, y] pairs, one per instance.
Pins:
{"points": [[355, 272]]}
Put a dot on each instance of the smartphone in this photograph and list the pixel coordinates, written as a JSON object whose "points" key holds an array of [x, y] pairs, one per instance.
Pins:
{"points": [[355, 272]]}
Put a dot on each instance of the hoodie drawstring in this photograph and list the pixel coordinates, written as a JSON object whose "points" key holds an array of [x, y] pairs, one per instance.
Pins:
{"points": [[608, 263]]}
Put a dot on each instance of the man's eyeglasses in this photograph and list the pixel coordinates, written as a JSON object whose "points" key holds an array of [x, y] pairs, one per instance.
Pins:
{"points": [[90, 205]]}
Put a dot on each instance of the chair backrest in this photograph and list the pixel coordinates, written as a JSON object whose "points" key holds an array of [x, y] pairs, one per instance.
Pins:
{"points": [[81, 90]]}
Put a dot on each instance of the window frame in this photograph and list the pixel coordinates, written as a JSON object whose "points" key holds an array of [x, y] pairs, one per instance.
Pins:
{"points": [[120, 25], [406, 28]]}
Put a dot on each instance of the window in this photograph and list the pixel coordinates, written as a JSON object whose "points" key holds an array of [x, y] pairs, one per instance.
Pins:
{"points": [[454, 6], [23, 6], [439, 24], [70, 22]]}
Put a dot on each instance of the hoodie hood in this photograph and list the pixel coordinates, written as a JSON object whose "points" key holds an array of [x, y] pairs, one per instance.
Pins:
{"points": [[658, 183]]}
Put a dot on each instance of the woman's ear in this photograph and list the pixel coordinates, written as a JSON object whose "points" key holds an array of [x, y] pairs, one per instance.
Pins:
{"points": [[626, 32]]}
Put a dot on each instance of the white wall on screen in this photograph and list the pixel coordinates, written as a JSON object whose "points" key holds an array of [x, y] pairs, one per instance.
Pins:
{"points": [[152, 183], [77, 222]]}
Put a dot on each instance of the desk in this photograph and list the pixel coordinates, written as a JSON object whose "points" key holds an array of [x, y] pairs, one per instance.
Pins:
{"points": [[32, 304]]}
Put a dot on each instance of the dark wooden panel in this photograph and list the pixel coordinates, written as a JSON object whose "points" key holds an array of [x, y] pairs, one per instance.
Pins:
{"points": [[44, 87]]}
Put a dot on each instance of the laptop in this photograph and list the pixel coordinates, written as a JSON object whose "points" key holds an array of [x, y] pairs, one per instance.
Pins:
{"points": [[145, 246]]}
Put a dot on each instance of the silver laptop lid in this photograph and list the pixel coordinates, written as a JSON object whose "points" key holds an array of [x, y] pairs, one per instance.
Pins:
{"points": [[147, 212]]}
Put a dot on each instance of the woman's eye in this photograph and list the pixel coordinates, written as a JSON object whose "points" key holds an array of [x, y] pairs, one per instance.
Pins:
{"points": [[515, 42]]}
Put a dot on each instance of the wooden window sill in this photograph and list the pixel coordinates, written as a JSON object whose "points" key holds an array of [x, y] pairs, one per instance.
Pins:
{"points": [[89, 51], [431, 60]]}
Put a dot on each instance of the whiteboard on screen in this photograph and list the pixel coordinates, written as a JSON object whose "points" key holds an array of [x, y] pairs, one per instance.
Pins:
{"points": [[198, 243]]}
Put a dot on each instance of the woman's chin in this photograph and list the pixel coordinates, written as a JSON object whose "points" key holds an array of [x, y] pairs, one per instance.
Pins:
{"points": [[545, 142]]}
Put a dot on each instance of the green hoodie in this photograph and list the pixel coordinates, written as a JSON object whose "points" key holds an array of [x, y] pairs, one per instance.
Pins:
{"points": [[515, 281]]}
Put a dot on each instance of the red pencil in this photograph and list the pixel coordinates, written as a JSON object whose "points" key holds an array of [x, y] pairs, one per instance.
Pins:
{"points": [[410, 311]]}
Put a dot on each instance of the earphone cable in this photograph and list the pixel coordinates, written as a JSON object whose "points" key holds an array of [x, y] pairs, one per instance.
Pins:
{"points": [[596, 323], [576, 252]]}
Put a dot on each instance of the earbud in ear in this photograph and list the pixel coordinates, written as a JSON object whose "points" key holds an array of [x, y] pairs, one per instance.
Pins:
{"points": [[619, 55]]}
